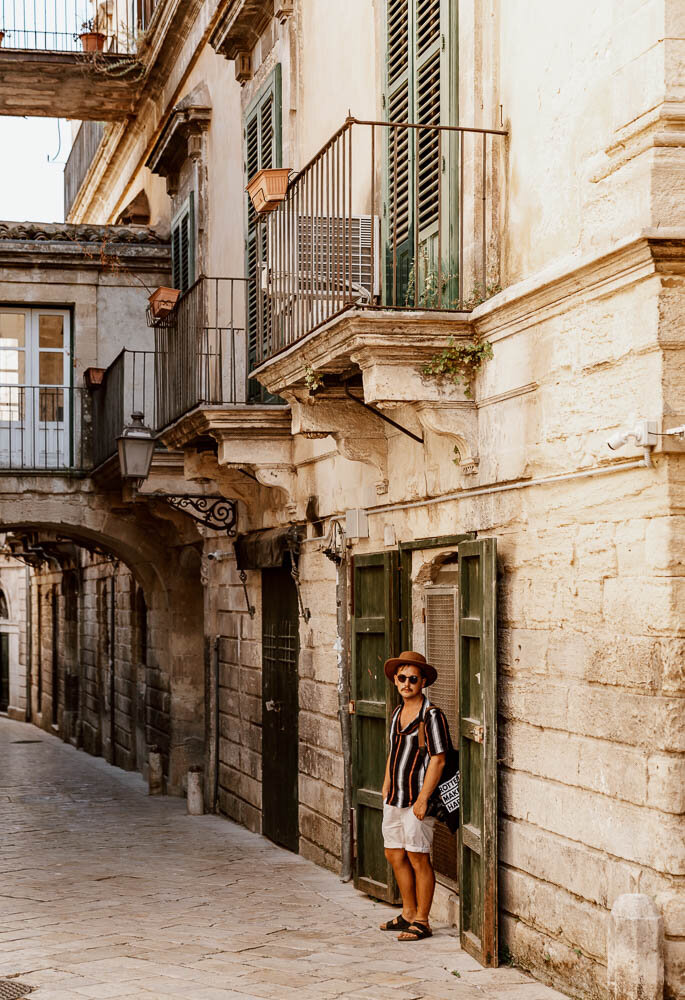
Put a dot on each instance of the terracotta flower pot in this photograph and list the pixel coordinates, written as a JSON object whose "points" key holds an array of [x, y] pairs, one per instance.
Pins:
{"points": [[268, 188], [163, 300], [2, 37], [93, 41]]}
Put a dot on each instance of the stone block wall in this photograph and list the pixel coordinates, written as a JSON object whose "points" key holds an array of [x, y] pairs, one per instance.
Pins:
{"points": [[116, 717]]}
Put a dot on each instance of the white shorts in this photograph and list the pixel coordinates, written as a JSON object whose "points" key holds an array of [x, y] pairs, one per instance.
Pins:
{"points": [[402, 829]]}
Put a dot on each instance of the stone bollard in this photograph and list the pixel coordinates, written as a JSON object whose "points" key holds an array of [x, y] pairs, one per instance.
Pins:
{"points": [[635, 949], [196, 802], [155, 776]]}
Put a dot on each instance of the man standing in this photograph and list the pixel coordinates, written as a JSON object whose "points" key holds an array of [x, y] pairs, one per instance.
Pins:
{"points": [[418, 742]]}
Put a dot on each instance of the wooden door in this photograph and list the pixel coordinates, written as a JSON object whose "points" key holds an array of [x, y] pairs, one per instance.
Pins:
{"points": [[280, 706], [478, 749], [4, 671], [375, 638]]}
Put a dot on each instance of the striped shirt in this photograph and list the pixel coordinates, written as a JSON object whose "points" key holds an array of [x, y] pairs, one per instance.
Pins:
{"points": [[408, 762]]}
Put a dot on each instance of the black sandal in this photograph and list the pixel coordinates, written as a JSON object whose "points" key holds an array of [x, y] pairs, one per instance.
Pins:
{"points": [[398, 923], [418, 932]]}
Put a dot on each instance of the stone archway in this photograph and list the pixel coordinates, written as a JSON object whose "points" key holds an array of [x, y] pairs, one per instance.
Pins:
{"points": [[162, 555]]}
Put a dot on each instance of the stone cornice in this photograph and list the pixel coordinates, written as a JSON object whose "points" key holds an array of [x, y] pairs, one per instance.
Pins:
{"points": [[558, 288], [101, 248], [225, 422], [408, 337], [240, 25], [189, 118]]}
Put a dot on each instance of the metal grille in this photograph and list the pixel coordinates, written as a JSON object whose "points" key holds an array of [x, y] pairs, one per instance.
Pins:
{"points": [[11, 990], [441, 651], [279, 644]]}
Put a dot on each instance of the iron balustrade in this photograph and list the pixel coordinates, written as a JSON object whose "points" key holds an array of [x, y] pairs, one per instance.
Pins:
{"points": [[110, 26], [43, 428], [386, 215], [127, 386], [81, 156], [201, 349]]}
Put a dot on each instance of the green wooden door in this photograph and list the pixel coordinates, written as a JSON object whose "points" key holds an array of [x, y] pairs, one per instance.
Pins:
{"points": [[280, 708], [375, 637], [478, 749], [4, 671]]}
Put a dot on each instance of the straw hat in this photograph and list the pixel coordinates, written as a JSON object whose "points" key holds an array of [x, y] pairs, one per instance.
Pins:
{"points": [[411, 659]]}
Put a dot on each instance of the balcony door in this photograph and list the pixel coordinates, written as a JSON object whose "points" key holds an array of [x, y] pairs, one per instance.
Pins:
{"points": [[35, 399], [420, 209]]}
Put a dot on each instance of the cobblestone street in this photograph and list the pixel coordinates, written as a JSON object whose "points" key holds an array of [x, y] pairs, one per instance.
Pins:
{"points": [[109, 893]]}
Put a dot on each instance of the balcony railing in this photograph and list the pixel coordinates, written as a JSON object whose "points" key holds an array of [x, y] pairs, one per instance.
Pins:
{"points": [[201, 349], [43, 428], [109, 26], [81, 156], [128, 386], [386, 215]]}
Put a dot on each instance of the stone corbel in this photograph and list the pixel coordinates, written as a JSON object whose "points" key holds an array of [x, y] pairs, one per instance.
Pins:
{"points": [[359, 435], [458, 421], [202, 467]]}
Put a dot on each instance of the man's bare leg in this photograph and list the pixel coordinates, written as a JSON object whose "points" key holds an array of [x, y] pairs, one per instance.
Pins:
{"points": [[404, 873], [424, 881]]}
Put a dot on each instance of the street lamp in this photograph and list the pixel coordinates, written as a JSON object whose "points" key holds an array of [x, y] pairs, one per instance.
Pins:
{"points": [[136, 445]]}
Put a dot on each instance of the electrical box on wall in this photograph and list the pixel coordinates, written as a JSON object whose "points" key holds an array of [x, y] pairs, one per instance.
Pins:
{"points": [[356, 523]]}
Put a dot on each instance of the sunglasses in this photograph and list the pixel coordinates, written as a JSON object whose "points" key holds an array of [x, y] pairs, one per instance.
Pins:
{"points": [[408, 678]]}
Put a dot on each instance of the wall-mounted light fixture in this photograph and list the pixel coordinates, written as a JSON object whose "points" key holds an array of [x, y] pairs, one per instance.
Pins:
{"points": [[136, 446]]}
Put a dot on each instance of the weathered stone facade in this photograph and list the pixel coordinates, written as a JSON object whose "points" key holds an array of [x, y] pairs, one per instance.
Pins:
{"points": [[583, 203]]}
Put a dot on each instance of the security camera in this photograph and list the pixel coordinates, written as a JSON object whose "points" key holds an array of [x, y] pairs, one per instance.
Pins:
{"points": [[644, 434], [617, 440]]}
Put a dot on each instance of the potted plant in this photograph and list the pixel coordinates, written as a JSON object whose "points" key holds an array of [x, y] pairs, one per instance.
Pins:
{"points": [[163, 300], [268, 189], [92, 40]]}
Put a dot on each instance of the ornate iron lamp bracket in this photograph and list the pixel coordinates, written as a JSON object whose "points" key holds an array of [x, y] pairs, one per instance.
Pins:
{"points": [[214, 512]]}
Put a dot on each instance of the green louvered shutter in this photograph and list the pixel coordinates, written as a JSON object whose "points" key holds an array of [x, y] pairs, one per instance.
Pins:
{"points": [[478, 749], [183, 246], [375, 638], [420, 85], [262, 152]]}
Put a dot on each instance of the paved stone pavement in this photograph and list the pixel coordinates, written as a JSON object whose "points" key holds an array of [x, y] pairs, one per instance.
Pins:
{"points": [[105, 892]]}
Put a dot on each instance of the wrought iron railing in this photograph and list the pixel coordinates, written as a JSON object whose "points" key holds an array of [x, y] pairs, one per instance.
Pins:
{"points": [[43, 428], [386, 215], [128, 386], [201, 349], [108, 26], [81, 156]]}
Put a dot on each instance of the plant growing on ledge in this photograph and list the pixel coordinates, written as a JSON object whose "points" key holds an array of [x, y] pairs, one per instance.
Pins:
{"points": [[460, 362], [312, 379]]}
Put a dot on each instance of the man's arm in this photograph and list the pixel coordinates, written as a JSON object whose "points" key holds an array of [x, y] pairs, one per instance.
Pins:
{"points": [[386, 780], [435, 767]]}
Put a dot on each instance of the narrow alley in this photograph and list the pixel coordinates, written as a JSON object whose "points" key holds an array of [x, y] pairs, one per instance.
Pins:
{"points": [[107, 892]]}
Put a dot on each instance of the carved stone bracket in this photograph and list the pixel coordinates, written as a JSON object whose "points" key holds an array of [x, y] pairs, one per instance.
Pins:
{"points": [[458, 421], [358, 434]]}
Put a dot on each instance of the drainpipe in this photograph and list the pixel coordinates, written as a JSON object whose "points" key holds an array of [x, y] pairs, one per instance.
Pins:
{"points": [[29, 641], [341, 646], [335, 549], [215, 671], [112, 684]]}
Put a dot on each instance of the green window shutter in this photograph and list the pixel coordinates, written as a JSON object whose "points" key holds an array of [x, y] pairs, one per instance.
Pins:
{"points": [[263, 151], [420, 81], [478, 748], [183, 246]]}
